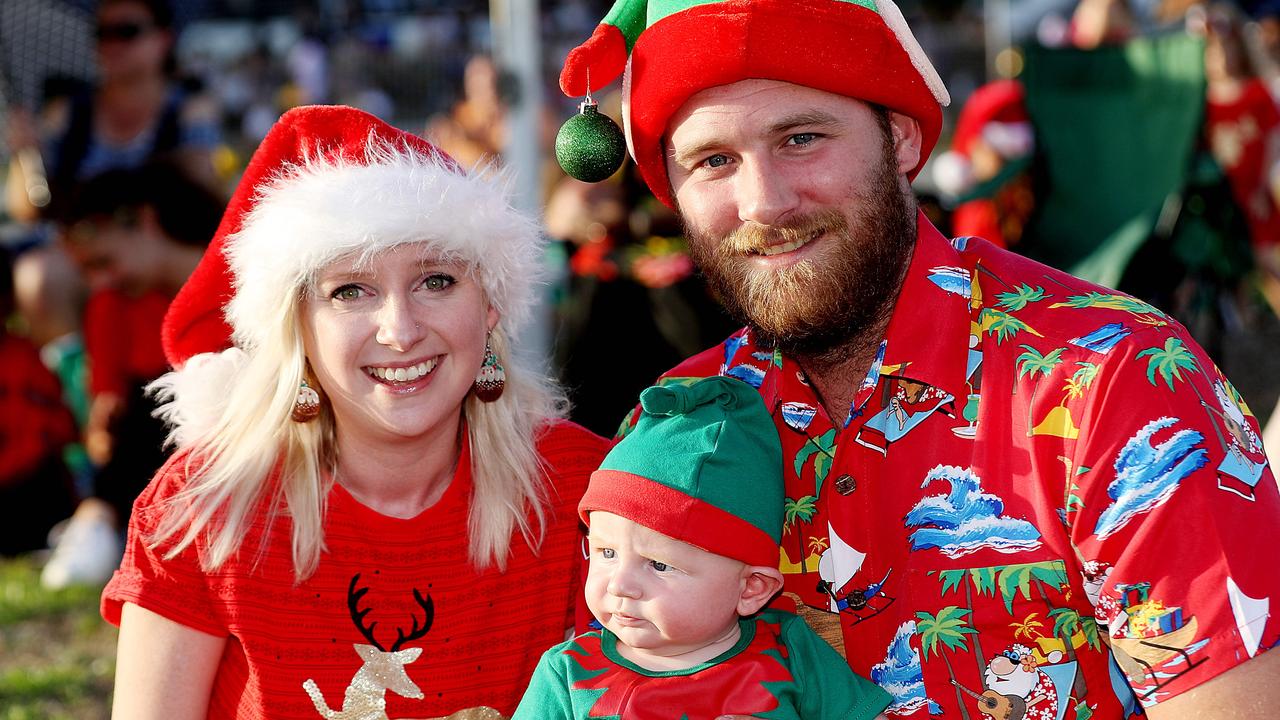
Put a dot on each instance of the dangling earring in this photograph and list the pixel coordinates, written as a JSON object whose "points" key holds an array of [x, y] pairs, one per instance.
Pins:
{"points": [[492, 379], [307, 405]]}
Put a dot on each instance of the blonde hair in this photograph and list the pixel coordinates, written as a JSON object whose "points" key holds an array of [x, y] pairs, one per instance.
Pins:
{"points": [[231, 410]]}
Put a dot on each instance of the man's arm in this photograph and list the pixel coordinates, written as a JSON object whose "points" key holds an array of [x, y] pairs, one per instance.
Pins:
{"points": [[1245, 692]]}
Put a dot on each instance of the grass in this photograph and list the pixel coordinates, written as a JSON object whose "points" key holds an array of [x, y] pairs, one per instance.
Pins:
{"points": [[57, 656]]}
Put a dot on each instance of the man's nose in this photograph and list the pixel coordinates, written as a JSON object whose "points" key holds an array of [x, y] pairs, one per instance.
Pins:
{"points": [[398, 326], [764, 195]]}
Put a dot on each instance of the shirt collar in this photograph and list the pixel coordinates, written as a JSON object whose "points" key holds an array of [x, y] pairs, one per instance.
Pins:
{"points": [[928, 336]]}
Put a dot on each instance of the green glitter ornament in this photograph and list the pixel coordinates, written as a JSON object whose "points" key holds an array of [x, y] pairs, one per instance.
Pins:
{"points": [[590, 145]]}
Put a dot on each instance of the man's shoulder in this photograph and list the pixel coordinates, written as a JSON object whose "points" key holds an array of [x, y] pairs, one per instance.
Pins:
{"points": [[709, 362], [1055, 307]]}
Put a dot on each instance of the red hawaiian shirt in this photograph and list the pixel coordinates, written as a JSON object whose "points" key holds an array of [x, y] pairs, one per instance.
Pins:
{"points": [[1045, 502]]}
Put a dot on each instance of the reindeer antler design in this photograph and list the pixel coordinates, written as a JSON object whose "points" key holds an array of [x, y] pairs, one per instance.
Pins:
{"points": [[357, 615], [430, 613]]}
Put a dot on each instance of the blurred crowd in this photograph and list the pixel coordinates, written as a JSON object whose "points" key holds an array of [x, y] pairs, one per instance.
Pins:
{"points": [[116, 182]]}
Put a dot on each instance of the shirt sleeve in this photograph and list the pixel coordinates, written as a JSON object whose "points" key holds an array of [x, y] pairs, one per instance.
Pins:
{"points": [[547, 697], [175, 588], [828, 688], [1177, 515]]}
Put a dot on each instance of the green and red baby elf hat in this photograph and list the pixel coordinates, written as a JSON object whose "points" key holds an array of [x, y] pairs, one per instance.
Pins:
{"points": [[673, 49], [703, 465]]}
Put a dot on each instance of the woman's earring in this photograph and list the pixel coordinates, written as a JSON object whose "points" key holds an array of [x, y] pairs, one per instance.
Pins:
{"points": [[492, 379], [307, 405]]}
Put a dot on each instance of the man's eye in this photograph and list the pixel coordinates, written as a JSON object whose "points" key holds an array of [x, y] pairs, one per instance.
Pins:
{"points": [[439, 281], [346, 292], [659, 566], [716, 161], [607, 553], [802, 138]]}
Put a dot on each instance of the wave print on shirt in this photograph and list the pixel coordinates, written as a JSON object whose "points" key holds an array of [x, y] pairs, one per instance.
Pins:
{"points": [[967, 519], [901, 674], [1147, 475]]}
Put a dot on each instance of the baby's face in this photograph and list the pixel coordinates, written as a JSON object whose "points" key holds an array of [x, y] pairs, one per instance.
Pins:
{"points": [[662, 597]]}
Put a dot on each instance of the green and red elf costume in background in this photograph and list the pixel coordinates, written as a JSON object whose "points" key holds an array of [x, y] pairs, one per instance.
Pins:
{"points": [[703, 466], [669, 50]]}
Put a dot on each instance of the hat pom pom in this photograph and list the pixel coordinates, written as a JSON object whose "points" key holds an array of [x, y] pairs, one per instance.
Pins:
{"points": [[602, 58]]}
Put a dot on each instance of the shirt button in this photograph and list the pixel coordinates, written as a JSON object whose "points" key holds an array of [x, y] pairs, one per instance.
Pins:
{"points": [[845, 484]]}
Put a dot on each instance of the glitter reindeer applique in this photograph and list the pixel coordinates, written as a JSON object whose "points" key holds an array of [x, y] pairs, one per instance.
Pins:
{"points": [[383, 670]]}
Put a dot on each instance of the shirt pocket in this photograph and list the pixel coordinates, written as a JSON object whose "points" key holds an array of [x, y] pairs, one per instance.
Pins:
{"points": [[1006, 641]]}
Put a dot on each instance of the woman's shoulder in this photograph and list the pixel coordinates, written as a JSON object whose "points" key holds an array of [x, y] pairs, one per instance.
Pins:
{"points": [[171, 478]]}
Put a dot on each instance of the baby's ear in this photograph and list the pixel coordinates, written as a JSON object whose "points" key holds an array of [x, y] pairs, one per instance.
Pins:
{"points": [[760, 584]]}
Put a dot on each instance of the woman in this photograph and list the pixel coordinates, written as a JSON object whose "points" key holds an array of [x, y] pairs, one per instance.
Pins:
{"points": [[356, 521]]}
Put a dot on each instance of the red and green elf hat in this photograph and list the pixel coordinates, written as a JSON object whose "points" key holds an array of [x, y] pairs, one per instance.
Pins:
{"points": [[672, 49], [703, 465]]}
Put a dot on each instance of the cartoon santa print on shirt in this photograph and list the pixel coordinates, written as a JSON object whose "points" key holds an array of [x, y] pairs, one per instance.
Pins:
{"points": [[1015, 673]]}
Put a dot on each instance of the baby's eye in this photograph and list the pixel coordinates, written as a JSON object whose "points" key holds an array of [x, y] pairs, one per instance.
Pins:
{"points": [[607, 553], [347, 292], [439, 281], [659, 566]]}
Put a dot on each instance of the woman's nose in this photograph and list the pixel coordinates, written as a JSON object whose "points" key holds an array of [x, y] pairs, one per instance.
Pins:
{"points": [[398, 327]]}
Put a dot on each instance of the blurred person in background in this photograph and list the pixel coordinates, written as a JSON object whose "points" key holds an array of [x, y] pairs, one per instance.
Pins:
{"points": [[35, 426], [136, 235], [1242, 127], [50, 297], [1101, 22], [136, 110], [985, 171], [475, 128], [371, 511]]}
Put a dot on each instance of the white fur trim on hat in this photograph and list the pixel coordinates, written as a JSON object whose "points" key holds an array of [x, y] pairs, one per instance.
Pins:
{"points": [[194, 397], [893, 18], [326, 209]]}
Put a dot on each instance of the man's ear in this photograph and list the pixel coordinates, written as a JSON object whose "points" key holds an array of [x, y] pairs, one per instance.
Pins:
{"points": [[760, 584], [907, 141]]}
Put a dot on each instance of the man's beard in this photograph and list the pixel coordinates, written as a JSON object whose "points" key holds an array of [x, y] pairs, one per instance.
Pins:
{"points": [[823, 307]]}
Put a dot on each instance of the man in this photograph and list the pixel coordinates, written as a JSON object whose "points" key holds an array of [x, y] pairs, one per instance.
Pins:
{"points": [[1013, 494]]}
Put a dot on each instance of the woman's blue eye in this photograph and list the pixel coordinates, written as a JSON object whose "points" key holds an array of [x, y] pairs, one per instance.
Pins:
{"points": [[438, 281], [659, 566]]}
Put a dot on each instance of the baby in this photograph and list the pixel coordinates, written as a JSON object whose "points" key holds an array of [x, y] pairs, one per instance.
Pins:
{"points": [[685, 516]]}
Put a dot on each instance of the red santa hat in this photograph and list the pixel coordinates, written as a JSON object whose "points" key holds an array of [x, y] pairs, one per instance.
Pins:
{"points": [[673, 49], [330, 182], [995, 113]]}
